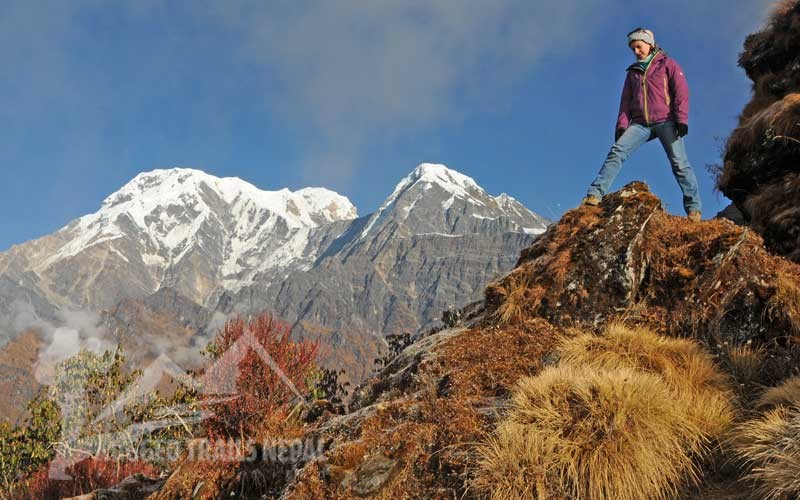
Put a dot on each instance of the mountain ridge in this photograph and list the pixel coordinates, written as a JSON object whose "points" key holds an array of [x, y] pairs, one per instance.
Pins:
{"points": [[174, 253]]}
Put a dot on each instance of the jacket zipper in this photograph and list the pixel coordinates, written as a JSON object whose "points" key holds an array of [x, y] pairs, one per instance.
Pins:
{"points": [[666, 91], [644, 89]]}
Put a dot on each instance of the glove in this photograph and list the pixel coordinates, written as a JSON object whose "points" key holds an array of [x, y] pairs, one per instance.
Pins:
{"points": [[682, 129], [618, 134]]}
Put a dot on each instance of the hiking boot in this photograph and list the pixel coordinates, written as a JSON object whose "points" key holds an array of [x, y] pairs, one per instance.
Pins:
{"points": [[591, 200], [694, 216]]}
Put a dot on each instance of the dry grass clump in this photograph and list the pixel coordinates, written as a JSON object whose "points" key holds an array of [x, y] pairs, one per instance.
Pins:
{"points": [[514, 464], [517, 298], [769, 448], [775, 214], [681, 362], [690, 373], [581, 432], [785, 302], [744, 362], [762, 148], [773, 48], [787, 394]]}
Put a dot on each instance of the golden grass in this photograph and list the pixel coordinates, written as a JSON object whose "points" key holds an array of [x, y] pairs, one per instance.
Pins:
{"points": [[513, 464], [744, 362], [785, 301], [517, 296], [689, 372], [598, 434], [787, 394], [769, 448]]}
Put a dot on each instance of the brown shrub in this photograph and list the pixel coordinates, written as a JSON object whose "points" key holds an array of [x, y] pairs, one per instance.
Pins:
{"points": [[260, 388]]}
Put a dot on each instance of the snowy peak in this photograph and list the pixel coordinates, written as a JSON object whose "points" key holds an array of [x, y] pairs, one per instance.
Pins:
{"points": [[168, 213], [307, 207], [437, 199], [327, 204], [427, 174]]}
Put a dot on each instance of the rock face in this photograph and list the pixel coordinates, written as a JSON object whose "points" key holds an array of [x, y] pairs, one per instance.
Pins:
{"points": [[761, 171], [174, 253]]}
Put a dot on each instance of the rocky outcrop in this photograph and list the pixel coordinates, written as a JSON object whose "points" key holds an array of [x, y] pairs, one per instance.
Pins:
{"points": [[761, 171]]}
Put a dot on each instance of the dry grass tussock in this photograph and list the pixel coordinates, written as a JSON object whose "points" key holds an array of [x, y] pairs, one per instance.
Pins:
{"points": [[764, 147], [518, 298], [775, 214], [778, 122], [786, 394], [744, 362], [581, 432], [682, 362], [769, 449], [689, 372], [513, 298], [780, 8], [514, 463], [785, 301]]}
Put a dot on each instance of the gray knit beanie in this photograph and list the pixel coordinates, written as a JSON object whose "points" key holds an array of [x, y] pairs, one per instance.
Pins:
{"points": [[642, 34]]}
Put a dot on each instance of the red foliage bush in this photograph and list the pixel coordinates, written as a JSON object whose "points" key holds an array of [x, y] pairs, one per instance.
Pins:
{"points": [[87, 475], [257, 372]]}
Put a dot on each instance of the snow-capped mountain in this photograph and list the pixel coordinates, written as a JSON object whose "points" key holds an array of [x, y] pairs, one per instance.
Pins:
{"points": [[185, 229], [436, 199], [433, 244], [174, 252]]}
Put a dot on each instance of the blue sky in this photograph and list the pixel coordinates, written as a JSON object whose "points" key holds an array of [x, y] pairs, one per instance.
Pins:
{"points": [[521, 95]]}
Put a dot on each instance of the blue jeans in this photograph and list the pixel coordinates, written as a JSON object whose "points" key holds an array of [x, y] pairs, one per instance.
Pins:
{"points": [[635, 136]]}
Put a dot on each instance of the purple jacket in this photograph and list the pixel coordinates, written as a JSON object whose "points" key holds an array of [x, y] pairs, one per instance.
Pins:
{"points": [[656, 95]]}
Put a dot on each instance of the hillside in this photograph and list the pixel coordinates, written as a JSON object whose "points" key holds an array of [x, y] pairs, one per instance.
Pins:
{"points": [[415, 430]]}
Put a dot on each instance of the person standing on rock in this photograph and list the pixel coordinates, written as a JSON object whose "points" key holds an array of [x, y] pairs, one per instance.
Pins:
{"points": [[655, 103]]}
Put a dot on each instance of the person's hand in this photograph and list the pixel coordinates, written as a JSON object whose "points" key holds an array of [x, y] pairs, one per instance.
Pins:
{"points": [[618, 134], [682, 129]]}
